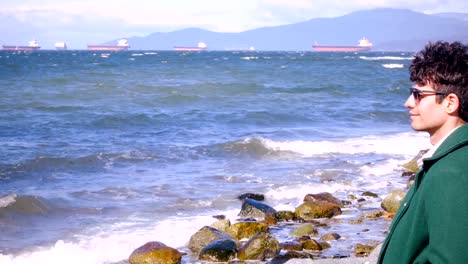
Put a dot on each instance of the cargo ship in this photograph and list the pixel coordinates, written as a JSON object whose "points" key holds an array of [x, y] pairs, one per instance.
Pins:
{"points": [[60, 46], [32, 45], [201, 46], [121, 45], [364, 45]]}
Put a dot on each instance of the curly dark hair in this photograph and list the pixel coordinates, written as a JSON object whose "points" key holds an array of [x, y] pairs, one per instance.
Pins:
{"points": [[444, 66]]}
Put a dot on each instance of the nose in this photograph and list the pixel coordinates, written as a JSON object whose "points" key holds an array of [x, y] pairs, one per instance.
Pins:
{"points": [[410, 102]]}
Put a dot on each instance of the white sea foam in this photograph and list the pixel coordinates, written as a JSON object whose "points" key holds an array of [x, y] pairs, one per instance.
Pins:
{"points": [[249, 58], [7, 200], [295, 194], [392, 65], [380, 169], [385, 58], [117, 242], [400, 144]]}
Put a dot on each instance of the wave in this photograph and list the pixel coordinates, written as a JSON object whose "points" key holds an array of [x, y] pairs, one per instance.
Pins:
{"points": [[385, 58], [392, 65], [114, 244], [397, 144], [23, 204], [88, 163]]}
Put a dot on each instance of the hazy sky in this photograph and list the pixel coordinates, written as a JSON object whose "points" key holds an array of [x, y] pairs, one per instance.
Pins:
{"points": [[102, 20]]}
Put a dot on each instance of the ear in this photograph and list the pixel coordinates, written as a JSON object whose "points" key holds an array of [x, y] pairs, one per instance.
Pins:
{"points": [[452, 103]]}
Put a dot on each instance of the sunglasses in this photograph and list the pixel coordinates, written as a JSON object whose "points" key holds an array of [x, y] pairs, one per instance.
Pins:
{"points": [[417, 94]]}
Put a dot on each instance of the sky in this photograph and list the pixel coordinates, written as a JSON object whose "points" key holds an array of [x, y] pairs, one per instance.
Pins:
{"points": [[96, 21]]}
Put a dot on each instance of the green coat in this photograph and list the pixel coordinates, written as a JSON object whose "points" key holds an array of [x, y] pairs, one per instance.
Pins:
{"points": [[431, 225]]}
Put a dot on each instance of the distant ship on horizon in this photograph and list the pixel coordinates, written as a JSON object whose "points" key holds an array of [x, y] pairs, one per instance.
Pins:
{"points": [[122, 44], [32, 45], [364, 45], [201, 46], [60, 46]]}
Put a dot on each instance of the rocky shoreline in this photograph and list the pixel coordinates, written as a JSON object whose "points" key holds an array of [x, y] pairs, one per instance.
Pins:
{"points": [[252, 237]]}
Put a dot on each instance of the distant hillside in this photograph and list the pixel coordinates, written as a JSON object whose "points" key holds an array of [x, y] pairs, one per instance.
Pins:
{"points": [[388, 29], [461, 16]]}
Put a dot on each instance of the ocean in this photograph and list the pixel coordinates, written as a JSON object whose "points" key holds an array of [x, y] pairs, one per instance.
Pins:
{"points": [[101, 152]]}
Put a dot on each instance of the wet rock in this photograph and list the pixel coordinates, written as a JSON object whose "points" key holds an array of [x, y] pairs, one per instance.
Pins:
{"points": [[370, 194], [260, 247], [324, 245], [410, 181], [285, 216], [282, 259], [412, 165], [255, 209], [247, 230], [407, 174], [392, 201], [222, 224], [302, 239], [317, 209], [219, 217], [311, 244], [291, 245], [304, 230], [270, 220], [220, 250], [373, 214], [330, 236], [363, 250], [324, 196], [155, 253], [253, 196], [205, 236]]}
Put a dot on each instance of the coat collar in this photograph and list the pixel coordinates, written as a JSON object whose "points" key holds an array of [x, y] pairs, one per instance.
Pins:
{"points": [[457, 139]]}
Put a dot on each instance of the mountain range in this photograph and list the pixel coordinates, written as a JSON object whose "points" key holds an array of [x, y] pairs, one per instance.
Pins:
{"points": [[388, 29]]}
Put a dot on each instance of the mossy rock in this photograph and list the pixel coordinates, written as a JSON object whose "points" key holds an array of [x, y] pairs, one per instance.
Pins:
{"points": [[155, 253], [260, 247], [221, 250], [247, 230], [304, 230]]}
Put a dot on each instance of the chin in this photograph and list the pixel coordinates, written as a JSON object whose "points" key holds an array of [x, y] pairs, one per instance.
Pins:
{"points": [[417, 128]]}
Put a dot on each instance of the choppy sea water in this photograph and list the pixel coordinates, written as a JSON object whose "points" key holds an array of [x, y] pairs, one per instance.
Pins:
{"points": [[101, 152]]}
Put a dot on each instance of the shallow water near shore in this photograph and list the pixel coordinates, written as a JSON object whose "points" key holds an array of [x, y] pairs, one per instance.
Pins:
{"points": [[101, 152]]}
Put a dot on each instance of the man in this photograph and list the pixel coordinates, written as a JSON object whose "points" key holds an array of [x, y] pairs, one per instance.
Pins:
{"points": [[431, 225]]}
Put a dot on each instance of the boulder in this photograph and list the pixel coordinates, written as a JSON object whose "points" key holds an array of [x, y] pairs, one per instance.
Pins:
{"points": [[330, 236], [370, 194], [254, 196], [260, 247], [363, 250], [155, 253], [205, 236], [392, 201], [318, 209], [412, 165], [247, 230], [221, 224], [285, 216], [220, 250], [311, 244], [324, 196], [304, 230], [255, 209], [291, 245]]}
